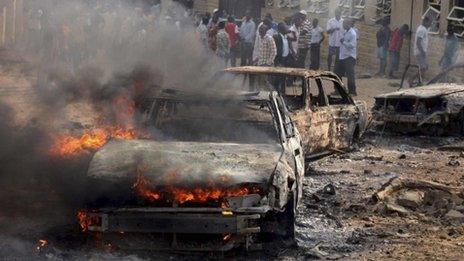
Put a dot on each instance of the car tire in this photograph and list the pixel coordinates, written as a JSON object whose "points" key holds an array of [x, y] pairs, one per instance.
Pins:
{"points": [[460, 123], [355, 137]]}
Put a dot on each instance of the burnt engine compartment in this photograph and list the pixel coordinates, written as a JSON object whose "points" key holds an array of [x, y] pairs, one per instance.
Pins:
{"points": [[409, 106]]}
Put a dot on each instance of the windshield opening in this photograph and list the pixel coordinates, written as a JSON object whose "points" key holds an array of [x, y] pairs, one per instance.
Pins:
{"points": [[225, 121]]}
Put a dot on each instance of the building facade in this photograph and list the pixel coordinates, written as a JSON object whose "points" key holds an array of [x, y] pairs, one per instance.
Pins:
{"points": [[11, 21], [366, 13]]}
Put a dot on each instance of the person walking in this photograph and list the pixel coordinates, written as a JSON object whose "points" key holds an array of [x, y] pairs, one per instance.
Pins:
{"points": [[334, 30], [247, 36], [304, 40], [451, 49], [267, 49], [348, 56], [232, 31], [394, 49], [421, 43], [383, 39], [317, 37], [223, 42]]}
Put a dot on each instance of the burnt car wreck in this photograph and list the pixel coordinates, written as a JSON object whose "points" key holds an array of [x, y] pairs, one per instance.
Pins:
{"points": [[223, 172], [437, 108], [327, 117]]}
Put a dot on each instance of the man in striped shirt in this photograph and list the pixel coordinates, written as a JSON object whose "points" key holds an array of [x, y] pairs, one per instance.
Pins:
{"points": [[267, 49], [305, 38]]}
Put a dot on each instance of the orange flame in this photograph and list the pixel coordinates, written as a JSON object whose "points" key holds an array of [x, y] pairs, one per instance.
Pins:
{"points": [[41, 244], [85, 220], [69, 146], [142, 186], [144, 189]]}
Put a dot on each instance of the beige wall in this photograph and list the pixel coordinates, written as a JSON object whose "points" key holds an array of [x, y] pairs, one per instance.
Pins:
{"points": [[205, 5], [11, 22]]}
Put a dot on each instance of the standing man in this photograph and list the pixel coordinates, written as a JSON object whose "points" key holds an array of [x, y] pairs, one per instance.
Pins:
{"points": [[232, 31], [394, 49], [283, 54], [334, 30], [421, 44], [294, 37], [247, 36], [383, 38], [223, 42], [317, 37], [305, 39], [451, 49], [348, 55], [267, 49], [270, 31]]}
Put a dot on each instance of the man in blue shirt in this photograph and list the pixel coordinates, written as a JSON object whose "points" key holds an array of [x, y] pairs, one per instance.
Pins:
{"points": [[247, 37]]}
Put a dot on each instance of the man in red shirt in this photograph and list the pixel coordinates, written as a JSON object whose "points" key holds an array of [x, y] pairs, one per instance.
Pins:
{"points": [[232, 30], [394, 48]]}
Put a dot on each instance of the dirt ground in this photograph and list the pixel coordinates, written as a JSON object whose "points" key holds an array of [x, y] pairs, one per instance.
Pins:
{"points": [[338, 217]]}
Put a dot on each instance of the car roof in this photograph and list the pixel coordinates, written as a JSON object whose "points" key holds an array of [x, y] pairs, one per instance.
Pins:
{"points": [[212, 95], [279, 71], [428, 91]]}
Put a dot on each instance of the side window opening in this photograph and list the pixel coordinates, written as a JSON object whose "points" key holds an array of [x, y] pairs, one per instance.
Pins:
{"points": [[316, 94], [336, 95], [292, 89]]}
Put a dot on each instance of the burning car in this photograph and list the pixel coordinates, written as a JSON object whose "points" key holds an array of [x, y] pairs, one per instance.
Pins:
{"points": [[325, 114], [222, 172], [436, 108]]}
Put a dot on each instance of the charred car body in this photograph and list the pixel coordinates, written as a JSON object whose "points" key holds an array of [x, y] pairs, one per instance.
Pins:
{"points": [[436, 108], [222, 172], [325, 114]]}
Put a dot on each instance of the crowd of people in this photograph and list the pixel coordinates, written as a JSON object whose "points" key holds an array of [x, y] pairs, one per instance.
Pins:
{"points": [[284, 44], [287, 44], [76, 36]]}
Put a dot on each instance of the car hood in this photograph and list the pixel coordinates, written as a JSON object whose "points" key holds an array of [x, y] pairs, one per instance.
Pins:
{"points": [[429, 91], [180, 163]]}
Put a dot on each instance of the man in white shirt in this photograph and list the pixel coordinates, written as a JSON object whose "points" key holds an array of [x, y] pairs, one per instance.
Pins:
{"points": [[348, 55], [317, 37], [334, 30], [421, 44], [247, 37], [294, 35]]}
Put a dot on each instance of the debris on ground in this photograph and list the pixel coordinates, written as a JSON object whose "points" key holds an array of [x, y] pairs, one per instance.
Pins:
{"points": [[405, 196]]}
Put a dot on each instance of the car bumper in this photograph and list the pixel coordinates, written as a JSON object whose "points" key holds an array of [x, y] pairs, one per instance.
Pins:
{"points": [[227, 228], [176, 220]]}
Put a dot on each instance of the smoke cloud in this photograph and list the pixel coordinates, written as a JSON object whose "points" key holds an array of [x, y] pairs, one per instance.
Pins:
{"points": [[83, 55]]}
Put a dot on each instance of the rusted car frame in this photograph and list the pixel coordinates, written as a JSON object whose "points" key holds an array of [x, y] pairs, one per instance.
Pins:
{"points": [[276, 168], [436, 108], [326, 115]]}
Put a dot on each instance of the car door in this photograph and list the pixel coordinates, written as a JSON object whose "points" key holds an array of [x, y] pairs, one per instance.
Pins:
{"points": [[344, 112], [293, 145], [315, 122]]}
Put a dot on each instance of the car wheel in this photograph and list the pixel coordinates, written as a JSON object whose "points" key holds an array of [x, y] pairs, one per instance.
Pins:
{"points": [[460, 123], [355, 138]]}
